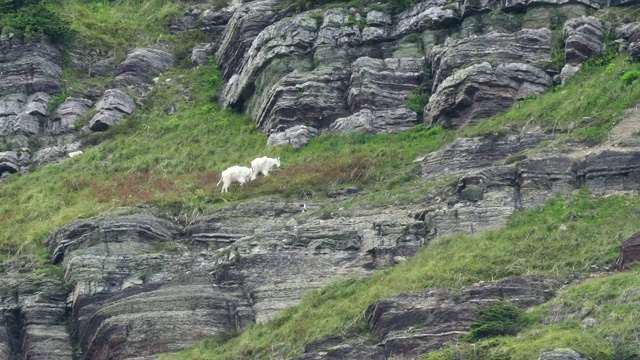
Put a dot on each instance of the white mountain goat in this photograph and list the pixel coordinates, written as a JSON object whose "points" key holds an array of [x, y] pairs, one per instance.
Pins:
{"points": [[263, 165], [240, 174]]}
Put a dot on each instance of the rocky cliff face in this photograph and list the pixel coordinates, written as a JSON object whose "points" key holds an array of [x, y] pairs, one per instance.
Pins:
{"points": [[345, 70], [140, 284]]}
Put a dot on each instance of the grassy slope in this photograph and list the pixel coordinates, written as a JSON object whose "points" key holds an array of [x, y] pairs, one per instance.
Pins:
{"points": [[176, 162]]}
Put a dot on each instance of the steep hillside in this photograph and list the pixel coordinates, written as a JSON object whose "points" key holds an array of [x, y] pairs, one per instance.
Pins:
{"points": [[456, 180]]}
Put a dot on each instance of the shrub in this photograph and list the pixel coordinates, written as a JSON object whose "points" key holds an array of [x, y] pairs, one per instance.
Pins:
{"points": [[630, 76], [503, 318], [36, 20]]}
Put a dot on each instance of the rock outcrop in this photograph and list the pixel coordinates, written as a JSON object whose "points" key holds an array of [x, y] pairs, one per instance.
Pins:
{"points": [[21, 113], [481, 91], [136, 71], [560, 354], [296, 136], [28, 67], [66, 115], [414, 323], [472, 154], [222, 272], [33, 312], [313, 99], [532, 47], [113, 105], [583, 38]]}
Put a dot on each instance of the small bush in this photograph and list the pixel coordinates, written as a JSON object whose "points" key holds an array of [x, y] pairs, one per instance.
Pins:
{"points": [[417, 102], [56, 101], [495, 320], [630, 76]]}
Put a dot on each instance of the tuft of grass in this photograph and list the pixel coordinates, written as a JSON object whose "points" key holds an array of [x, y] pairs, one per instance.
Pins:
{"points": [[564, 237], [115, 27]]}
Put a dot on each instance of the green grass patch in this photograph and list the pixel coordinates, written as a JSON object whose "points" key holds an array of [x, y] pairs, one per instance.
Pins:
{"points": [[115, 27], [564, 237]]}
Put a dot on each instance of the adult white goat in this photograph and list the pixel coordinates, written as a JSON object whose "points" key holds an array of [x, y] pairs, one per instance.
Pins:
{"points": [[240, 174], [263, 165]]}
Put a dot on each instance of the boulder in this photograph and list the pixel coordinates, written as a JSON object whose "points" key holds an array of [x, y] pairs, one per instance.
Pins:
{"points": [[139, 67], [296, 136], [110, 108], [629, 252], [66, 115], [200, 53], [583, 38], [481, 91], [567, 72], [415, 323]]}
